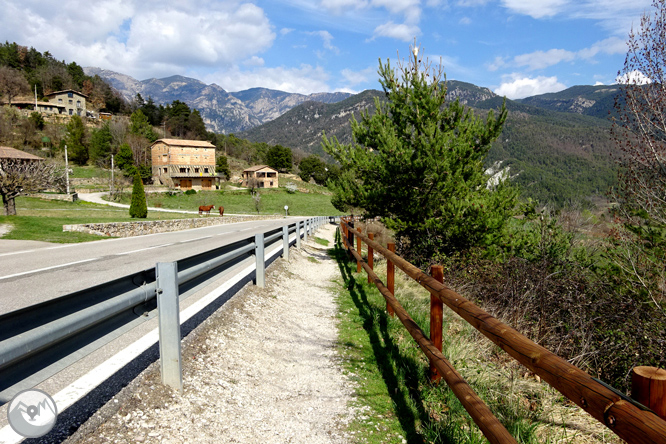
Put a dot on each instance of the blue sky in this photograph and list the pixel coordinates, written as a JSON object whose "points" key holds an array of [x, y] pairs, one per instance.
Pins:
{"points": [[516, 48]]}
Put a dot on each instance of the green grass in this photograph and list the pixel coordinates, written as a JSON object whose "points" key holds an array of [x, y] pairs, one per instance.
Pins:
{"points": [[321, 241], [390, 371], [240, 202], [42, 220], [89, 172]]}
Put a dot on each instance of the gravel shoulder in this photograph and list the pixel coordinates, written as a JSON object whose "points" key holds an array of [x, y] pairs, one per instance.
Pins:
{"points": [[263, 368]]}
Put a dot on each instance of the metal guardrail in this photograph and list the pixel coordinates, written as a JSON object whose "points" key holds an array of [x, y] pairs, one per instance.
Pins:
{"points": [[34, 334], [631, 422]]}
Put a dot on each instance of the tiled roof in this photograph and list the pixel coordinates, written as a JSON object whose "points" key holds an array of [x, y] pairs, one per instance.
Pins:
{"points": [[259, 167], [11, 153], [190, 143], [66, 91]]}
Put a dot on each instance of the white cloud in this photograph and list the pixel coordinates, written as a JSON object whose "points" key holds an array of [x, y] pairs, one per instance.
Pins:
{"points": [[465, 21], [327, 38], [304, 79], [410, 9], [544, 59], [403, 32], [353, 78], [598, 83], [633, 78], [515, 86], [341, 6], [138, 38], [536, 8]]}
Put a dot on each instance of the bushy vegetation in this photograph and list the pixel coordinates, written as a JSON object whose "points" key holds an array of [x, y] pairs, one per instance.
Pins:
{"points": [[138, 207]]}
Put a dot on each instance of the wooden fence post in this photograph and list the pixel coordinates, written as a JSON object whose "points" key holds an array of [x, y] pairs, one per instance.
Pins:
{"points": [[390, 277], [648, 386], [436, 314], [350, 238], [370, 255], [358, 250]]}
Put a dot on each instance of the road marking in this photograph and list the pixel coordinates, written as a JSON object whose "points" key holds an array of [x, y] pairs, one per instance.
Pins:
{"points": [[142, 249], [195, 239], [48, 268]]}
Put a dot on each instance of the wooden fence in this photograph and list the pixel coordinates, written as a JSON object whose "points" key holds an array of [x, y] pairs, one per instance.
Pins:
{"points": [[625, 417]]}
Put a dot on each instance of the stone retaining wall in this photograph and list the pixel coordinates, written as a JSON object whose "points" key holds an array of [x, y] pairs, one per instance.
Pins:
{"points": [[139, 228], [73, 197]]}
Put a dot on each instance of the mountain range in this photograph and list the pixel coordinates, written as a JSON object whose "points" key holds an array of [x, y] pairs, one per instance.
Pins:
{"points": [[222, 111], [557, 145]]}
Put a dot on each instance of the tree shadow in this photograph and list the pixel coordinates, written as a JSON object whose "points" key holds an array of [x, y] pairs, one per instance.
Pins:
{"points": [[403, 389]]}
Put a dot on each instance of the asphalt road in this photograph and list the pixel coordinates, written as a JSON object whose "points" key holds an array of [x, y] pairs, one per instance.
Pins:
{"points": [[32, 272]]}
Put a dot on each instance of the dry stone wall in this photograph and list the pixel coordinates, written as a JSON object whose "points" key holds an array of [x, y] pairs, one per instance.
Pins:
{"points": [[139, 228]]}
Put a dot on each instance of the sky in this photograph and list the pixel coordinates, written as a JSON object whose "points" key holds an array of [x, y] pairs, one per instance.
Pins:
{"points": [[517, 48]]}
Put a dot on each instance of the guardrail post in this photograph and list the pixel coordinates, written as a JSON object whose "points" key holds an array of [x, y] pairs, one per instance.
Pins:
{"points": [[298, 234], [169, 324], [390, 277], [285, 242], [371, 258], [648, 386], [436, 314], [358, 250], [305, 230], [260, 280]]}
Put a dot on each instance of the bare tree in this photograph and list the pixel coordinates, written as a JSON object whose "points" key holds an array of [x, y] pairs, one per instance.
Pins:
{"points": [[19, 176], [12, 83], [639, 131], [640, 127]]}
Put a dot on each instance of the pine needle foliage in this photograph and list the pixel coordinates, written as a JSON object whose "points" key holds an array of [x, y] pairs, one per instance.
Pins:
{"points": [[138, 207], [418, 163]]}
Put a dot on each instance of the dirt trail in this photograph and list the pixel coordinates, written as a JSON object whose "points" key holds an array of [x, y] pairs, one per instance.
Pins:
{"points": [[263, 368]]}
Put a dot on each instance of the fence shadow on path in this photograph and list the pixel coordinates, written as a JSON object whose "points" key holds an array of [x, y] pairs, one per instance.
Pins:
{"points": [[403, 389]]}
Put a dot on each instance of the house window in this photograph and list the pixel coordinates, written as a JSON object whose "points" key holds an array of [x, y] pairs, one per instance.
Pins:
{"points": [[271, 183], [70, 95], [71, 101], [205, 170], [59, 100], [78, 104], [71, 111], [183, 170], [196, 170]]}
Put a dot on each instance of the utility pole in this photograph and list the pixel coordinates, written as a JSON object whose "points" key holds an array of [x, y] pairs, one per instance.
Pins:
{"points": [[111, 190], [66, 170]]}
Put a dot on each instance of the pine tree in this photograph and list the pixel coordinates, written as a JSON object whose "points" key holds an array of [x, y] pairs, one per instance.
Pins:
{"points": [[138, 207], [418, 163]]}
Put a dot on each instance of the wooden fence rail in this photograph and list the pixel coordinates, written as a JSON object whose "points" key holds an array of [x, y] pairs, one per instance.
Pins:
{"points": [[629, 420]]}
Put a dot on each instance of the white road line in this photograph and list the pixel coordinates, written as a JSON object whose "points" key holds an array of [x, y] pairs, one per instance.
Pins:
{"points": [[195, 239], [48, 268], [142, 249], [16, 252]]}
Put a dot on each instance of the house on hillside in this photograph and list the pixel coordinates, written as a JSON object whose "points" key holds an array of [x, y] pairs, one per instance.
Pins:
{"points": [[185, 164], [70, 102], [265, 176], [14, 154], [28, 104]]}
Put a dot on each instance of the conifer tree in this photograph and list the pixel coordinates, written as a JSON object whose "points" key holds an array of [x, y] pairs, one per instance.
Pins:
{"points": [[418, 163], [138, 207]]}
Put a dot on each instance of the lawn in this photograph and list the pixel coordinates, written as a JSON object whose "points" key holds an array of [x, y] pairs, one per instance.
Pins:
{"points": [[42, 220], [241, 202]]}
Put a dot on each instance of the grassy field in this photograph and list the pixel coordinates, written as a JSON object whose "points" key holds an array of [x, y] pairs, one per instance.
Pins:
{"points": [[240, 202], [397, 401], [42, 220]]}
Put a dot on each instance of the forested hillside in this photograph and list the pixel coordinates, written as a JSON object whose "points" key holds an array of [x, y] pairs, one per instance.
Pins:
{"points": [[555, 157]]}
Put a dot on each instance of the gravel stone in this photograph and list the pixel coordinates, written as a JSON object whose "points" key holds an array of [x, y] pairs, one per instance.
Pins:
{"points": [[263, 368]]}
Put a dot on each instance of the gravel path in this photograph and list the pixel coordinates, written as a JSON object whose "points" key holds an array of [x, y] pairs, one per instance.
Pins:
{"points": [[263, 368]]}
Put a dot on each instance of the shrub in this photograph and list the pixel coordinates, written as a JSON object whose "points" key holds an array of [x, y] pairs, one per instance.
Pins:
{"points": [[190, 192], [138, 207]]}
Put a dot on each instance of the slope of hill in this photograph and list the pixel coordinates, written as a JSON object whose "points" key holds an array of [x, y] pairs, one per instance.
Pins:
{"points": [[555, 156], [596, 101], [221, 111]]}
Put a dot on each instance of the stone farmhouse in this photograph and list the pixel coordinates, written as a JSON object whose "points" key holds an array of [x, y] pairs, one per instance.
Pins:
{"points": [[73, 102], [265, 176], [184, 164]]}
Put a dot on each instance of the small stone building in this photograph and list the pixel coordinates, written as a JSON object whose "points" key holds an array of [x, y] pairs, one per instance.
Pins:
{"points": [[265, 176], [14, 154], [70, 102], [185, 164], [28, 104]]}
